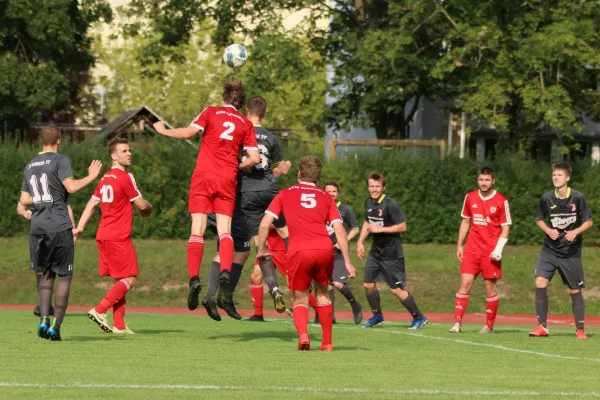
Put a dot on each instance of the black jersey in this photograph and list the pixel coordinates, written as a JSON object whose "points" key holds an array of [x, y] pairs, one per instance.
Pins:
{"points": [[260, 177], [385, 212], [42, 179], [563, 215], [348, 220]]}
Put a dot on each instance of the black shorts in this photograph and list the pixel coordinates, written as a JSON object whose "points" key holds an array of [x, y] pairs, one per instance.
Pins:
{"points": [[52, 252], [393, 271], [239, 232], [253, 205], [569, 269], [340, 274]]}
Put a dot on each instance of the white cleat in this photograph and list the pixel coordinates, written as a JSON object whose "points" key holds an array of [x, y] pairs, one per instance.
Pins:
{"points": [[100, 319], [455, 328], [485, 329], [122, 331]]}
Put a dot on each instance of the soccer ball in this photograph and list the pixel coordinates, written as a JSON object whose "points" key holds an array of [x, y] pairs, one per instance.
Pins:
{"points": [[235, 55]]}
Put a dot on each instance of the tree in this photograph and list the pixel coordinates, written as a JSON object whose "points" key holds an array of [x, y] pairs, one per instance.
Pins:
{"points": [[44, 56]]}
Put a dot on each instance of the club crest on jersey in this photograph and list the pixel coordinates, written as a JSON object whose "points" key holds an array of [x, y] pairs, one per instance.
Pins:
{"points": [[492, 209], [572, 207], [379, 212]]}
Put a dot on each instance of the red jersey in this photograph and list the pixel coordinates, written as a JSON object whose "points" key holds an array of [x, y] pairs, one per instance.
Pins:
{"points": [[307, 210], [274, 241], [487, 216], [226, 131], [116, 191]]}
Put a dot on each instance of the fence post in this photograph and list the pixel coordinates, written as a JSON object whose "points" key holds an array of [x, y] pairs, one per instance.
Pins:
{"points": [[332, 145], [443, 149]]}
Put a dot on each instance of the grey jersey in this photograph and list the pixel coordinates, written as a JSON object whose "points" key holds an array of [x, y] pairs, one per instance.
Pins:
{"points": [[563, 215], [385, 212], [260, 177], [42, 179], [348, 220]]}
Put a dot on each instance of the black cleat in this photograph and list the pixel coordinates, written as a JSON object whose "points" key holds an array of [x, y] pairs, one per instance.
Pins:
{"points": [[54, 335], [278, 301], [194, 296], [357, 311], [42, 330], [37, 313], [211, 309], [256, 318], [229, 308], [333, 321], [223, 287]]}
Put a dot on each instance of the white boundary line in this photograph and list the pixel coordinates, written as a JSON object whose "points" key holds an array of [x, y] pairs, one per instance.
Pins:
{"points": [[297, 389]]}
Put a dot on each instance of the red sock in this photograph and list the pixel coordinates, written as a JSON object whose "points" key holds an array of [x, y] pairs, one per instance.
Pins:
{"points": [[325, 312], [491, 310], [116, 293], [119, 313], [460, 306], [257, 293], [301, 319], [195, 251], [312, 301], [226, 251]]}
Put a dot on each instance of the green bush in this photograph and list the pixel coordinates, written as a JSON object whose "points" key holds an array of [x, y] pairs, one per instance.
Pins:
{"points": [[429, 190]]}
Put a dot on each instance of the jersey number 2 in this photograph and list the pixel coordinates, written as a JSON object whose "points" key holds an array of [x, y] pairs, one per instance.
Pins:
{"points": [[230, 127], [46, 197], [307, 200]]}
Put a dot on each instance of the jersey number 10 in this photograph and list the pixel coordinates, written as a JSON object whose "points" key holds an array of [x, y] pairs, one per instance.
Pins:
{"points": [[108, 195]]}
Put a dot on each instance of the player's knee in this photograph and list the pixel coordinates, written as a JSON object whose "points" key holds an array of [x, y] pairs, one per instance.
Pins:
{"points": [[541, 283], [256, 276], [399, 293], [369, 287], [574, 291], [339, 285], [132, 280]]}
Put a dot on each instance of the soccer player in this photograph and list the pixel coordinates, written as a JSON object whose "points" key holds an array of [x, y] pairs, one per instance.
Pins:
{"points": [[340, 278], [116, 194], [310, 254], [214, 181], [569, 216], [486, 220], [47, 183], [385, 220]]}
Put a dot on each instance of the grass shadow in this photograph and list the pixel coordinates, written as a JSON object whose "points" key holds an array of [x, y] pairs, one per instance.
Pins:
{"points": [[249, 336], [157, 331]]}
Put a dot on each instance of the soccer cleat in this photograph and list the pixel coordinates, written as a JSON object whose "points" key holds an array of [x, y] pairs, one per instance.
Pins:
{"points": [[486, 329], [304, 342], [211, 309], [539, 331], [455, 328], [256, 318], [289, 312], [278, 301], [125, 331], [42, 330], [194, 295], [326, 348], [418, 323], [100, 319], [54, 335], [357, 311], [223, 286], [374, 320], [229, 308], [333, 321], [580, 334], [37, 312]]}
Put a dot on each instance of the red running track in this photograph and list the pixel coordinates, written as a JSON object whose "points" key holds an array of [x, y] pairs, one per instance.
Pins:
{"points": [[390, 316]]}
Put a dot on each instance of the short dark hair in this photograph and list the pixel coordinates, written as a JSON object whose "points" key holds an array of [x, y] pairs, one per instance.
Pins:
{"points": [[234, 93], [376, 176], [563, 166], [257, 106], [112, 144], [331, 183], [310, 169], [49, 135], [485, 171]]}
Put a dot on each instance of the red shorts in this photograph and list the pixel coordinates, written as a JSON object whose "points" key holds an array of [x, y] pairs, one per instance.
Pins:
{"points": [[211, 193], [307, 265], [479, 264], [280, 260], [117, 259]]}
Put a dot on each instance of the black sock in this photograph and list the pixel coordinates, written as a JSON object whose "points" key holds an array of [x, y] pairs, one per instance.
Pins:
{"points": [[234, 278], [45, 289], [374, 301], [411, 305], [61, 299], [578, 305], [331, 293], [268, 269], [347, 293], [38, 278], [213, 280], [541, 306]]}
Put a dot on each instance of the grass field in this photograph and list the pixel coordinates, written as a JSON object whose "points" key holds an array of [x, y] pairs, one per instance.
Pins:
{"points": [[433, 278], [185, 356]]}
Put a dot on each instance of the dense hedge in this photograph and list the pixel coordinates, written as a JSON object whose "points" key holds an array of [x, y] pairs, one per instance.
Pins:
{"points": [[430, 191]]}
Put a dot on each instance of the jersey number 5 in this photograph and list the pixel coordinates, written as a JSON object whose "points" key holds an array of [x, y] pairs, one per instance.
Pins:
{"points": [[108, 195], [229, 128], [307, 200]]}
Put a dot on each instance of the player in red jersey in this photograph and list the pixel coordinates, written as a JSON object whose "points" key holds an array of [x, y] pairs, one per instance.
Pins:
{"points": [[486, 214], [214, 181], [308, 209], [116, 194]]}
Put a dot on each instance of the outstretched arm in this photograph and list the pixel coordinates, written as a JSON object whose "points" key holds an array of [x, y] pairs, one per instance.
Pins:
{"points": [[177, 133]]}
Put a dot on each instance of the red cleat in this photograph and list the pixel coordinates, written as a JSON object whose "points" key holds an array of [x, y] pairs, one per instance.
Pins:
{"points": [[304, 342], [326, 348], [539, 331], [580, 334]]}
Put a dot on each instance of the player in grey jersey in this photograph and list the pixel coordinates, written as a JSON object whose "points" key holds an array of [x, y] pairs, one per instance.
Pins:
{"points": [[47, 183], [569, 216]]}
